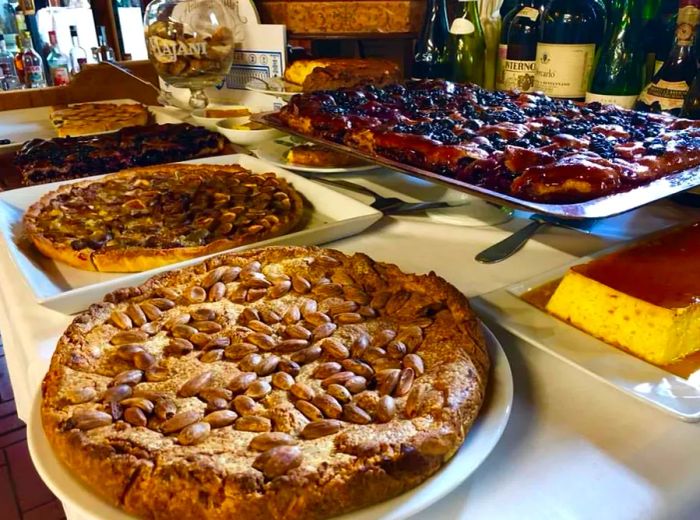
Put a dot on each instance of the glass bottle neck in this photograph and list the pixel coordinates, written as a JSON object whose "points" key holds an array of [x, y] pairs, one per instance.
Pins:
{"points": [[74, 39]]}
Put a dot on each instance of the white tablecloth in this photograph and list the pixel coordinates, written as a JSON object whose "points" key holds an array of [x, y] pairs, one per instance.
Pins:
{"points": [[574, 448]]}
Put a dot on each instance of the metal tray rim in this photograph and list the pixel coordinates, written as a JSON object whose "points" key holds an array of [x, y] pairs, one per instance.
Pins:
{"points": [[601, 207]]}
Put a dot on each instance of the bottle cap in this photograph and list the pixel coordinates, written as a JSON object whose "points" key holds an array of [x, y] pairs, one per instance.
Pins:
{"points": [[462, 26]]}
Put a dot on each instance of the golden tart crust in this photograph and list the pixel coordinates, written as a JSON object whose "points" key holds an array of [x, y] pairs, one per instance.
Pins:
{"points": [[168, 422], [143, 218]]}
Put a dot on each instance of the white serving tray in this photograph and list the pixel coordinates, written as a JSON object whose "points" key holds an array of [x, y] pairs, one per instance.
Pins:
{"points": [[34, 123], [480, 441], [69, 290], [673, 394]]}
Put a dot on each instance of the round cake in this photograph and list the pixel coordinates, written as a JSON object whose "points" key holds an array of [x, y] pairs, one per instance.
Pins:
{"points": [[143, 218], [279, 383]]}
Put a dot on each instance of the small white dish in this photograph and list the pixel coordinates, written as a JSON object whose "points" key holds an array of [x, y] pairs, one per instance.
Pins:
{"points": [[275, 152], [200, 117], [480, 441], [245, 137]]}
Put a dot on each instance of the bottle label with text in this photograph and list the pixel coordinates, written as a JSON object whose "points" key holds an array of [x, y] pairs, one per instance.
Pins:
{"points": [[518, 74], [33, 74], [501, 65], [564, 70], [60, 76], [609, 99], [528, 12], [668, 94]]}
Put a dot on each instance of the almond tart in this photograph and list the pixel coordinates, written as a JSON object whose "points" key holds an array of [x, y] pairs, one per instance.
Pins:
{"points": [[280, 383]]}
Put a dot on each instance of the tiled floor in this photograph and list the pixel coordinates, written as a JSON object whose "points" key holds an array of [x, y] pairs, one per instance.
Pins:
{"points": [[22, 493]]}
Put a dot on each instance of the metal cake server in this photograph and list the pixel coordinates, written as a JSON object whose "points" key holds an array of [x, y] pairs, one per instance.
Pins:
{"points": [[512, 244]]}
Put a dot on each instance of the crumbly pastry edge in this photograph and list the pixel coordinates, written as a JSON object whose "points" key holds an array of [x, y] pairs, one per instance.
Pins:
{"points": [[196, 491], [139, 258]]}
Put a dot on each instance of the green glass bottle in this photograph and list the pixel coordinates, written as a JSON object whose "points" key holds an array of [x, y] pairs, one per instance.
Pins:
{"points": [[620, 70], [520, 64], [431, 57], [670, 85], [467, 45], [569, 33]]}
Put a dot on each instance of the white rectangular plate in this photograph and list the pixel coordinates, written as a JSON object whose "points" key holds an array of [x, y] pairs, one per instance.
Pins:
{"points": [[673, 394], [66, 289], [34, 123]]}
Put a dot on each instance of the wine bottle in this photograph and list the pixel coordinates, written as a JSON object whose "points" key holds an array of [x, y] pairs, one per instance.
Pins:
{"points": [[431, 57], [569, 32], [520, 65], [57, 62], [663, 33], [669, 86], [467, 45], [508, 11], [620, 69], [691, 104]]}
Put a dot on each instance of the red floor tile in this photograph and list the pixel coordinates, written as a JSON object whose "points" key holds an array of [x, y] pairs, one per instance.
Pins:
{"points": [[5, 388], [8, 507], [10, 423], [12, 437], [8, 408], [30, 491], [51, 511]]}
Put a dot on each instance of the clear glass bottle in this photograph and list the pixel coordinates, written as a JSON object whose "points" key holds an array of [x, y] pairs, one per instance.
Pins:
{"points": [[77, 55], [106, 53], [10, 79], [33, 65], [670, 85], [57, 62], [620, 70], [467, 45], [431, 56]]}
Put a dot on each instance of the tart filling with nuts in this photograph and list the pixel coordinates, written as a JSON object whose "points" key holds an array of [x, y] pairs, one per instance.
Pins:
{"points": [[143, 218], [279, 383]]}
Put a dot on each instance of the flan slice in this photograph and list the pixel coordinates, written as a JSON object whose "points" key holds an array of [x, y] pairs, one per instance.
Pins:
{"points": [[645, 299]]}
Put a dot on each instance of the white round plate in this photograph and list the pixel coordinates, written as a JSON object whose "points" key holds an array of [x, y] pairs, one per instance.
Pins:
{"points": [[480, 441], [273, 152]]}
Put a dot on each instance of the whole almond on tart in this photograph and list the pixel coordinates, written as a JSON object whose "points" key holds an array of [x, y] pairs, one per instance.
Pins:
{"points": [[246, 434]]}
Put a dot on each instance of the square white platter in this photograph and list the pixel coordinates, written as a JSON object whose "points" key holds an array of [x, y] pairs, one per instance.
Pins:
{"points": [[673, 394], [69, 290], [34, 123]]}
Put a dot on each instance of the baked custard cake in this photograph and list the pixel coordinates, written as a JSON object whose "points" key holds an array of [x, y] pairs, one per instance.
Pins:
{"points": [[144, 218], [645, 299], [281, 383], [93, 118]]}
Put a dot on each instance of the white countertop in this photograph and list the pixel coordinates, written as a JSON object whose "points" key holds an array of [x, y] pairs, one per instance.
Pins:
{"points": [[574, 448]]}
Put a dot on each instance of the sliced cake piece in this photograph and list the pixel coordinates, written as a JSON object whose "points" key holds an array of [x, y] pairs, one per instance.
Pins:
{"points": [[645, 299]]}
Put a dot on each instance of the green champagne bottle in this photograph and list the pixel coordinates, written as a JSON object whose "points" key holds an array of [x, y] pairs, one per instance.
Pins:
{"points": [[620, 70], [520, 64], [670, 85], [569, 32], [467, 45], [431, 57]]}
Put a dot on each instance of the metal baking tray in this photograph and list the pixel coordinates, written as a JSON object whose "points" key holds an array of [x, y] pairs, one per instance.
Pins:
{"points": [[592, 209]]}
